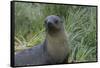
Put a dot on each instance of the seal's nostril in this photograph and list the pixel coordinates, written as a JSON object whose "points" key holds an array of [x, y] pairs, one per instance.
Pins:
{"points": [[50, 24]]}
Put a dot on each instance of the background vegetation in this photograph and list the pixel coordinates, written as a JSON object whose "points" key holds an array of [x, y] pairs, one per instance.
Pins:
{"points": [[80, 25]]}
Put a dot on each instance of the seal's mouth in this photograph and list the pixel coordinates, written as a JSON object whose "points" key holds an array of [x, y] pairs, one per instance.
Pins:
{"points": [[52, 27]]}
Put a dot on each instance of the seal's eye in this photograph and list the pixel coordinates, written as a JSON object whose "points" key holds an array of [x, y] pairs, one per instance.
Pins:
{"points": [[56, 22]]}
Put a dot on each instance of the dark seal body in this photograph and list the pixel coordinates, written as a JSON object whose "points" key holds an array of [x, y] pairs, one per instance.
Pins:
{"points": [[54, 49]]}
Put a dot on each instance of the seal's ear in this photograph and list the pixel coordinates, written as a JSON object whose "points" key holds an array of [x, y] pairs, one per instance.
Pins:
{"points": [[44, 23], [58, 15], [61, 18]]}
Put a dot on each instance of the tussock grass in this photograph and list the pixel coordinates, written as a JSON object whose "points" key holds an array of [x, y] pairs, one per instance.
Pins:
{"points": [[80, 24]]}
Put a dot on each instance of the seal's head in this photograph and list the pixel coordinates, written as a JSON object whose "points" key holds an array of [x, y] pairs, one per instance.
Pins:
{"points": [[53, 24]]}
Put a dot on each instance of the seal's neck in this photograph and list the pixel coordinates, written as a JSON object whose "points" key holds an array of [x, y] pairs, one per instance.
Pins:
{"points": [[56, 46]]}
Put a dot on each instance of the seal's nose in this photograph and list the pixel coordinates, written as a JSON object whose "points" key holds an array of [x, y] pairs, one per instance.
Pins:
{"points": [[50, 24]]}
